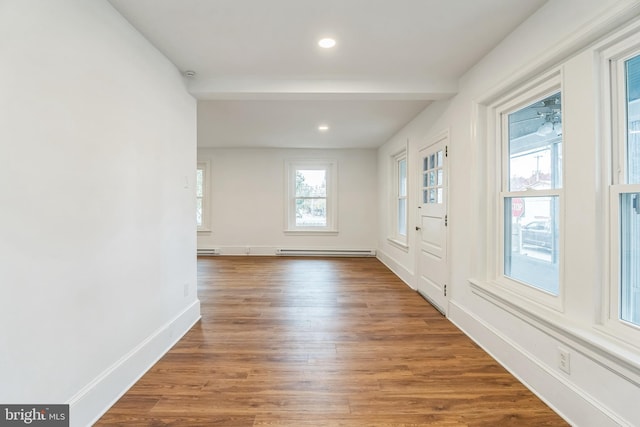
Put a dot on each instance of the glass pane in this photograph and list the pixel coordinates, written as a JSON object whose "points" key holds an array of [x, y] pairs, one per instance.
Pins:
{"points": [[432, 161], [425, 196], [440, 198], [440, 159], [311, 212], [432, 196], [535, 146], [199, 212], [402, 217], [440, 177], [199, 182], [531, 241], [311, 183], [432, 179], [425, 164], [632, 68], [630, 258], [425, 180], [402, 177]]}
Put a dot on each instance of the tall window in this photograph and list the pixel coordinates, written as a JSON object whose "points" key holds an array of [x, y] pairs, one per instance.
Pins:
{"points": [[531, 190], [398, 233], [625, 296], [402, 197], [312, 202], [202, 198]]}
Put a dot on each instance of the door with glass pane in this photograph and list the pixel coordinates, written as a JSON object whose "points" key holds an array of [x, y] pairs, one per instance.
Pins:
{"points": [[432, 267]]}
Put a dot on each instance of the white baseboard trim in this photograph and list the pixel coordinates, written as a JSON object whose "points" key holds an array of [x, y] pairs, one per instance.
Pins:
{"points": [[90, 403], [398, 269], [571, 403]]}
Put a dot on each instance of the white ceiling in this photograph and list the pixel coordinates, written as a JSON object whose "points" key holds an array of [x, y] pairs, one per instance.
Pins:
{"points": [[262, 81]]}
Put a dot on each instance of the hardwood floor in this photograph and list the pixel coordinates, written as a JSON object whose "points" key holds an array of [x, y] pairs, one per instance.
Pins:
{"points": [[322, 342]]}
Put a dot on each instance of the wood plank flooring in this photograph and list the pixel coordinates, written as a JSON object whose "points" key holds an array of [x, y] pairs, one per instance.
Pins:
{"points": [[322, 342]]}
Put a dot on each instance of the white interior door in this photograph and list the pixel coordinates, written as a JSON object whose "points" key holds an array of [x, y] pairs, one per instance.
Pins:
{"points": [[432, 224]]}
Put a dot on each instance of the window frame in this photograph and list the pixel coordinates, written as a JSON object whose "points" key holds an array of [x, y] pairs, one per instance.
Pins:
{"points": [[331, 168], [205, 166], [395, 198], [616, 121], [519, 292]]}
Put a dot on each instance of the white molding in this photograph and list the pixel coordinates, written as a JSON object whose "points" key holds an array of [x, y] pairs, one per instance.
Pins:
{"points": [[396, 268], [572, 403], [398, 244], [90, 403], [604, 350]]}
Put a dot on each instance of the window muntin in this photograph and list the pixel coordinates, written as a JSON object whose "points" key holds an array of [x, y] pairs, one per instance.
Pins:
{"points": [[433, 178], [531, 193]]}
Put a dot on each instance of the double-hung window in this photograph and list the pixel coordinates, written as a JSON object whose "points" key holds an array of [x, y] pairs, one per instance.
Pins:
{"points": [[399, 198], [312, 199], [529, 160], [624, 292], [532, 179], [202, 196]]}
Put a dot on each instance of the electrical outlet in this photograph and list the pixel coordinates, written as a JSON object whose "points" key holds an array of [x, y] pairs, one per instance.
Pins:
{"points": [[564, 360], [186, 289]]}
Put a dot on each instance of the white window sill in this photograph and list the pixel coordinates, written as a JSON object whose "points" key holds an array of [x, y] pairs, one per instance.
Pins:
{"points": [[398, 244]]}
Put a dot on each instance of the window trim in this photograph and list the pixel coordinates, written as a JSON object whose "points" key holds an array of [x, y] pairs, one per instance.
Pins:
{"points": [[205, 166], [614, 118], [514, 101], [331, 167], [490, 277], [395, 236]]}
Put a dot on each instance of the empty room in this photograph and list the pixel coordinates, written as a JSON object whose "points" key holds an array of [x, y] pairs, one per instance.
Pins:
{"points": [[320, 213]]}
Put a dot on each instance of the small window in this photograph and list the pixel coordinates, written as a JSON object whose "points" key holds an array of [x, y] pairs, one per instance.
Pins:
{"points": [[311, 204], [202, 197], [433, 178], [401, 198], [398, 199]]}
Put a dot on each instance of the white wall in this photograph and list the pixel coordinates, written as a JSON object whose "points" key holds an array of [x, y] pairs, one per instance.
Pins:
{"points": [[605, 376], [248, 200], [97, 230]]}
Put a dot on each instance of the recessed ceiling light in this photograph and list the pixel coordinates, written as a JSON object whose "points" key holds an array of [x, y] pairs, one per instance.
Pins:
{"points": [[323, 128], [327, 43]]}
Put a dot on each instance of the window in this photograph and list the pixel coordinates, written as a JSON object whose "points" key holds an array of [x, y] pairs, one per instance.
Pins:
{"points": [[311, 203], [402, 197], [531, 192], [398, 216], [524, 217], [433, 178], [624, 306], [202, 198]]}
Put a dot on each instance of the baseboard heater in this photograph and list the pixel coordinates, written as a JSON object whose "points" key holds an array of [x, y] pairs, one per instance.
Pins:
{"points": [[326, 252], [208, 252]]}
